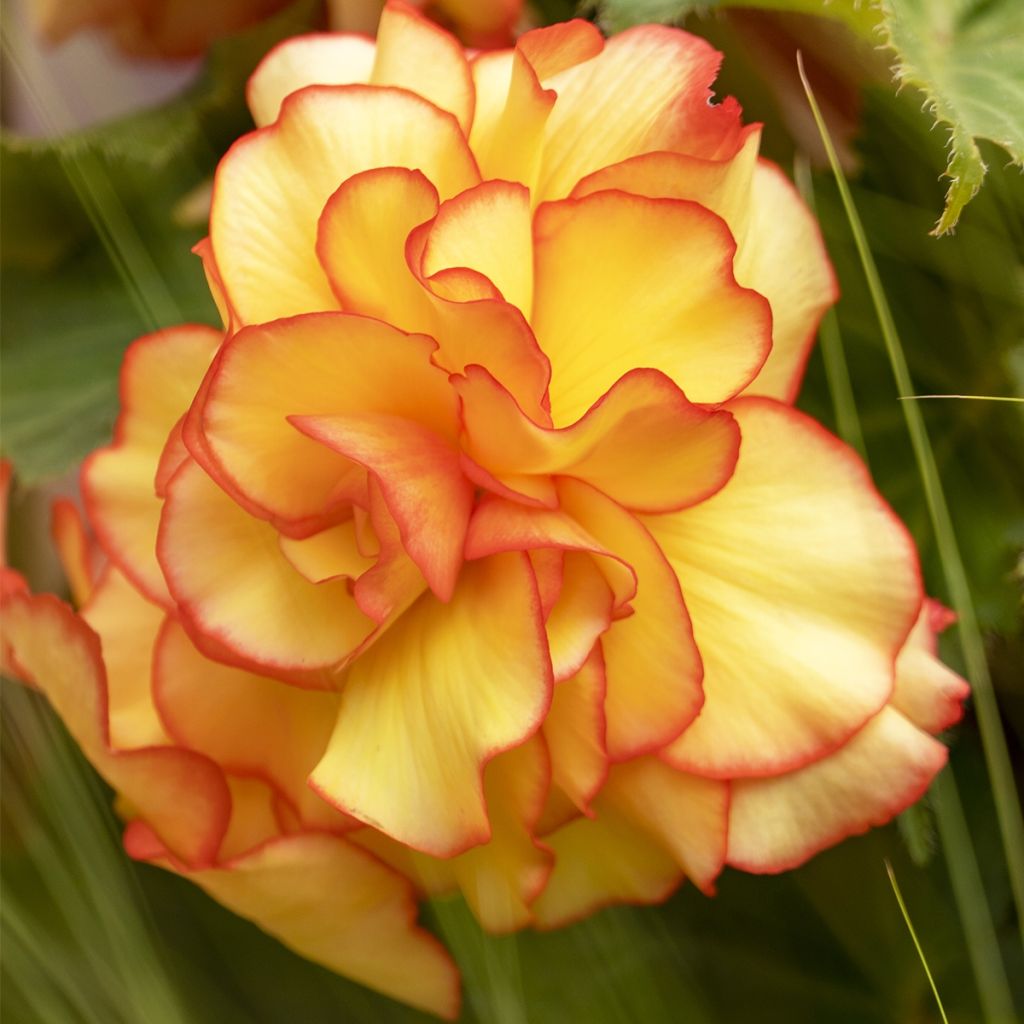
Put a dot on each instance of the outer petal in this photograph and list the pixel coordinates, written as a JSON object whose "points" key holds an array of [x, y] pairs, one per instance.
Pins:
{"points": [[782, 256], [158, 379], [599, 862], [232, 582], [644, 411], [277, 732], [416, 54], [625, 281], [802, 586], [320, 59], [182, 795], [272, 186], [366, 930], [423, 709], [316, 364], [777, 823], [648, 90], [926, 692], [127, 625], [79, 555]]}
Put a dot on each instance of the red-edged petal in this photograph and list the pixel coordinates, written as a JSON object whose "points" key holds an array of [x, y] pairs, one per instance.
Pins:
{"points": [[802, 586], [625, 281], [432, 701], [182, 795], [778, 822]]}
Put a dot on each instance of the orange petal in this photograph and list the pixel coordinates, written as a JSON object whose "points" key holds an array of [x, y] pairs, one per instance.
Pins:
{"points": [[328, 554], [926, 692], [127, 625], [314, 364], [582, 612], [778, 822], [159, 376], [687, 814], [182, 795], [277, 732], [365, 930], [317, 59], [649, 89], [802, 586], [232, 582], [432, 701], [644, 411], [416, 54], [782, 256], [420, 479], [626, 281], [575, 733], [78, 554], [272, 185], [600, 862]]}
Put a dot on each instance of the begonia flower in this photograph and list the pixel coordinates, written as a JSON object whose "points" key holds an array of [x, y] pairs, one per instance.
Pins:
{"points": [[482, 548]]}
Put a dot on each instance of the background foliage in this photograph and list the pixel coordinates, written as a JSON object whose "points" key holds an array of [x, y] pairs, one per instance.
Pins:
{"points": [[95, 251]]}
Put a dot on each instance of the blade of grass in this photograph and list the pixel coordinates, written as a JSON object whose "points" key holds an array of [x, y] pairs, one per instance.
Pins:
{"points": [[979, 928], [964, 398], [917, 945]]}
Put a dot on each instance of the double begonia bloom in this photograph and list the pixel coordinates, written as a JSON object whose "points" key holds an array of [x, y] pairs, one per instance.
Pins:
{"points": [[483, 549]]}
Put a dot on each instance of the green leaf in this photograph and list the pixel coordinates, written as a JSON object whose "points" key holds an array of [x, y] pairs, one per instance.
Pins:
{"points": [[966, 56], [93, 254]]}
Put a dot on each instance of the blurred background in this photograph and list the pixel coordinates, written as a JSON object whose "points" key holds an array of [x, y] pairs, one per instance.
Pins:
{"points": [[108, 149]]}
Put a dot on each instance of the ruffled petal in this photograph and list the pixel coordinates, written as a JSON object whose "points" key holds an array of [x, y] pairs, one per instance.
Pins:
{"points": [[158, 379], [426, 707], [777, 823], [625, 281], [182, 795], [272, 185], [802, 586]]}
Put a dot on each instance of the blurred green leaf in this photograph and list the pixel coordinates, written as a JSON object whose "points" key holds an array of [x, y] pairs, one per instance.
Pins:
{"points": [[93, 255], [967, 56]]}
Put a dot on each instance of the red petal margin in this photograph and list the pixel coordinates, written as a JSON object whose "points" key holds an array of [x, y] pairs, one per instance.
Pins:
{"points": [[182, 795]]}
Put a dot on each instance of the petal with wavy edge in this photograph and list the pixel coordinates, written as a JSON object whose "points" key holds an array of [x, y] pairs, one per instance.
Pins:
{"points": [[420, 479], [271, 187], [331, 362], [182, 795], [426, 707], [79, 556], [328, 554], [926, 692], [649, 89], [652, 663], [127, 625], [575, 733], [581, 614], [277, 732], [599, 862], [365, 931], [232, 582], [159, 376], [417, 54], [802, 586], [688, 815], [625, 281], [643, 411], [488, 229], [317, 59], [371, 243], [782, 256], [778, 822]]}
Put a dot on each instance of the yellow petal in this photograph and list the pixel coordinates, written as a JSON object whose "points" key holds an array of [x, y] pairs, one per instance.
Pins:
{"points": [[271, 187], [441, 693], [802, 586], [231, 581], [778, 822], [625, 281], [328, 59], [158, 379]]}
